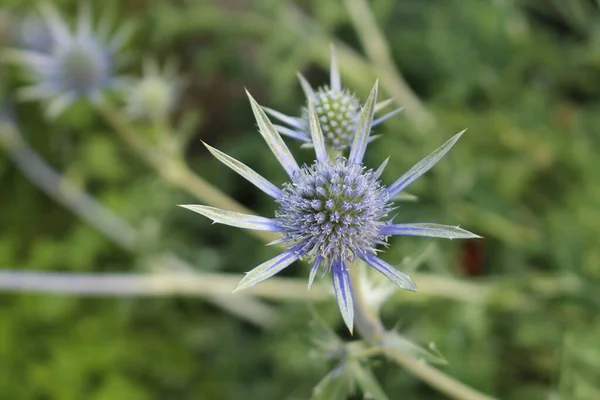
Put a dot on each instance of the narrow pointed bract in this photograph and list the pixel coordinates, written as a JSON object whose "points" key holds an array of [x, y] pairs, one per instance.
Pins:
{"points": [[381, 168], [236, 219], [343, 292], [316, 134], [306, 88], [331, 211], [268, 269], [292, 121], [298, 135], [248, 173], [398, 277], [334, 74], [428, 230], [314, 270], [359, 144], [271, 136], [422, 166], [383, 104], [386, 116]]}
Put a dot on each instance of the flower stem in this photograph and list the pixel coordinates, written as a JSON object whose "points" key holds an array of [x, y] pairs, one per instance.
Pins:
{"points": [[170, 280], [369, 326], [171, 167], [378, 51], [42, 175], [115, 229], [435, 377], [367, 322]]}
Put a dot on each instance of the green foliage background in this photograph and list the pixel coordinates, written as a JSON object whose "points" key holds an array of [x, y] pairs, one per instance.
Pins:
{"points": [[523, 76]]}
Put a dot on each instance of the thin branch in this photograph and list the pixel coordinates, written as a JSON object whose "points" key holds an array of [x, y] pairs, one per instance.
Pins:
{"points": [[377, 49], [94, 213], [173, 169], [526, 293], [155, 284], [63, 191], [436, 378], [370, 327], [354, 67]]}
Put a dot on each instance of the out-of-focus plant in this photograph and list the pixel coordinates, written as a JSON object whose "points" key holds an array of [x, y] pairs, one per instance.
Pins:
{"points": [[64, 64], [154, 96], [334, 212]]}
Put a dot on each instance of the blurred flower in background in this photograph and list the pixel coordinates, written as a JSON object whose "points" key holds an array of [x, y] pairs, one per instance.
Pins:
{"points": [[70, 64], [155, 94]]}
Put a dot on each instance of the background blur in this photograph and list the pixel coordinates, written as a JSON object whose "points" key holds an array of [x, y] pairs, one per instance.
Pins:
{"points": [[522, 75]]}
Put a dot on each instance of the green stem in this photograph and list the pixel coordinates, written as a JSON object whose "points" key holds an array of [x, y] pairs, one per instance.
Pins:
{"points": [[170, 280], [366, 320], [171, 167], [378, 52], [435, 377], [42, 175], [370, 327]]}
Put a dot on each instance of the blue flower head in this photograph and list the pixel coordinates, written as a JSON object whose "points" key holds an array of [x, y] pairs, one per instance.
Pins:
{"points": [[333, 211], [337, 109], [78, 64]]}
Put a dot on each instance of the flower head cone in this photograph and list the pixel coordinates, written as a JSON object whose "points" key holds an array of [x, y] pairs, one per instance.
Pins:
{"points": [[154, 96], [333, 211], [337, 109], [80, 63]]}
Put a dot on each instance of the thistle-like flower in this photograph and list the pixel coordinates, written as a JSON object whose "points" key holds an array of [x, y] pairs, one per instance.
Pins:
{"points": [[337, 109], [333, 211], [79, 64], [32, 33], [155, 94]]}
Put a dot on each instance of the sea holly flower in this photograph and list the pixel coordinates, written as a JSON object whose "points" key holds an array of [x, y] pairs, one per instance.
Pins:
{"points": [[154, 95], [337, 109], [79, 64], [32, 33], [333, 211]]}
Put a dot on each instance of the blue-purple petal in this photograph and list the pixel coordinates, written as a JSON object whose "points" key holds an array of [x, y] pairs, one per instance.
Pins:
{"points": [[291, 121], [398, 277], [316, 134], [422, 166], [314, 270], [386, 116], [273, 139], [246, 172], [343, 292], [232, 218], [363, 130], [428, 230], [268, 268], [283, 130]]}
